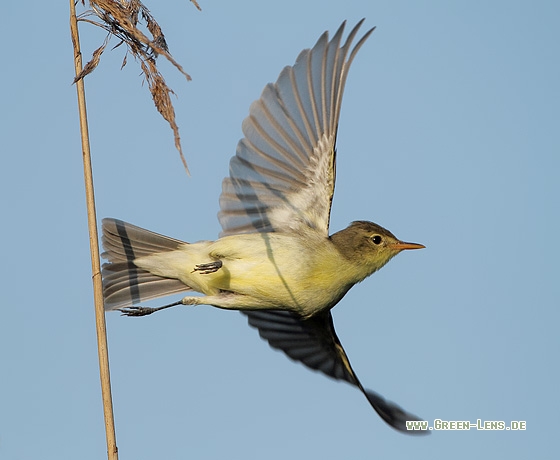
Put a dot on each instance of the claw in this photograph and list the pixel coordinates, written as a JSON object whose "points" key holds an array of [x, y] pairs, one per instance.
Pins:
{"points": [[211, 267], [137, 311]]}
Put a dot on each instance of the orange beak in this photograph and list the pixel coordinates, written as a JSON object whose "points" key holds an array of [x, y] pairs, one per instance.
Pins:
{"points": [[401, 245]]}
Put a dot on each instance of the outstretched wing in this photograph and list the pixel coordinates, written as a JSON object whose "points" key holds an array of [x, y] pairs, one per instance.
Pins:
{"points": [[282, 176], [314, 343]]}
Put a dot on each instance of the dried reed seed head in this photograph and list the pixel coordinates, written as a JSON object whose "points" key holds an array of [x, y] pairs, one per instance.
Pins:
{"points": [[121, 19]]}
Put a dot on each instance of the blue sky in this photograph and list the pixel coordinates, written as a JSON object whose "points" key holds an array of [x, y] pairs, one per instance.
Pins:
{"points": [[449, 136]]}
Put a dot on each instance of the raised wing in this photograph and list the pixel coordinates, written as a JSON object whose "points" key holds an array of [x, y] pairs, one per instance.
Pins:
{"points": [[282, 176], [314, 343]]}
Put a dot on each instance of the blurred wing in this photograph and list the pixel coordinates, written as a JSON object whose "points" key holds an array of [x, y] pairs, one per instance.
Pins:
{"points": [[314, 343], [282, 176]]}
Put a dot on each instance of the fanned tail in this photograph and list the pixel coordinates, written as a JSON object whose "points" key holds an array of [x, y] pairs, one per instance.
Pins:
{"points": [[124, 284]]}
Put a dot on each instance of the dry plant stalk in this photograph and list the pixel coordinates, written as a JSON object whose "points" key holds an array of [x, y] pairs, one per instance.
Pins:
{"points": [[121, 19], [112, 451]]}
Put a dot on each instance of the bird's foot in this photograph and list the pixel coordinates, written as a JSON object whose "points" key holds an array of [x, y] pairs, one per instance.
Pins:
{"points": [[143, 311], [137, 311], [211, 267]]}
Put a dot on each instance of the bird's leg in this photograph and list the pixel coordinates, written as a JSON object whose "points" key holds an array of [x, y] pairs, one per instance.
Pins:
{"points": [[143, 311], [211, 267]]}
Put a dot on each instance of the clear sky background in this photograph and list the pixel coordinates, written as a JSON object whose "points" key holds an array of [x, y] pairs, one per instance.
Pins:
{"points": [[449, 136]]}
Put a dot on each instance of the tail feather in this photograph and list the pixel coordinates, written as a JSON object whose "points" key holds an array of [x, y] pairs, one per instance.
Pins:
{"points": [[124, 284], [119, 238]]}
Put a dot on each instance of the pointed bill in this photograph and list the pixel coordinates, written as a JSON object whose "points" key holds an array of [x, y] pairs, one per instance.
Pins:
{"points": [[402, 245]]}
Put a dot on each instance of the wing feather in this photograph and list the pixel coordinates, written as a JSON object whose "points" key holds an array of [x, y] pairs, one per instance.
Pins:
{"points": [[314, 343], [282, 175]]}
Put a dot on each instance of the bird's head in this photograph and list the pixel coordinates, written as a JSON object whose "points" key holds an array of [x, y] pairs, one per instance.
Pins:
{"points": [[369, 246]]}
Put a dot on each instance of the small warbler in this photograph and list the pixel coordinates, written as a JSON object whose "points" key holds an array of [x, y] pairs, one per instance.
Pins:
{"points": [[274, 260]]}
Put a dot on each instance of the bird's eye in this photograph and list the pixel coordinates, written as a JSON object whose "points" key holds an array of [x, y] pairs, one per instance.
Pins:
{"points": [[376, 239]]}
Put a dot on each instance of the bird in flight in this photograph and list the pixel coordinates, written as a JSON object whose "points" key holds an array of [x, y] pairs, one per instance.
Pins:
{"points": [[274, 260]]}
